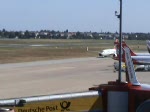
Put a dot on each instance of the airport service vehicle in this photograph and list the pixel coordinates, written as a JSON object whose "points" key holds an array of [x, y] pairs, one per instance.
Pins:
{"points": [[140, 59], [136, 67], [115, 96], [116, 66], [107, 52]]}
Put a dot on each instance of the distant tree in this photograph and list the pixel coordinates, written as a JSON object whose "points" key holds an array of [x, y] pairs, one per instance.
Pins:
{"points": [[6, 34], [17, 33], [0, 34], [95, 35], [66, 31], [79, 35], [11, 35], [3, 30], [26, 34]]}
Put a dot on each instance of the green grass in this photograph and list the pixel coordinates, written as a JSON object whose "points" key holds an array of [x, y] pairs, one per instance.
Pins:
{"points": [[61, 49]]}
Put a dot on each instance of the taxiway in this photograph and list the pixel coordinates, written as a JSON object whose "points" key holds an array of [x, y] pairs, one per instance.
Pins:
{"points": [[57, 76]]}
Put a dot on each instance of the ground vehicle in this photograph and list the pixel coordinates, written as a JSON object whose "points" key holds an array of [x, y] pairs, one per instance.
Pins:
{"points": [[136, 67], [116, 66]]}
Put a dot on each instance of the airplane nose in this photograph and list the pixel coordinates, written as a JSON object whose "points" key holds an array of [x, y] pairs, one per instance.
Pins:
{"points": [[114, 56], [5, 110], [100, 54]]}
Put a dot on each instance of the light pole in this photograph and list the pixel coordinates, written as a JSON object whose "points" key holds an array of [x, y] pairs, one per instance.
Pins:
{"points": [[120, 40]]}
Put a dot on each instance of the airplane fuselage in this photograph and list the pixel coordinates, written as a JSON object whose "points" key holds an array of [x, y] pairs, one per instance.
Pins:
{"points": [[107, 52], [141, 60]]}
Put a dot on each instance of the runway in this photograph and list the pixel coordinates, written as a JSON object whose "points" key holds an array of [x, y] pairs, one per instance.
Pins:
{"points": [[57, 76]]}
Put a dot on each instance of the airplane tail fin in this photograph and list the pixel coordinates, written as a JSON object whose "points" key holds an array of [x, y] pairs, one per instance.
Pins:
{"points": [[125, 45], [148, 45], [126, 57], [130, 68], [117, 56]]}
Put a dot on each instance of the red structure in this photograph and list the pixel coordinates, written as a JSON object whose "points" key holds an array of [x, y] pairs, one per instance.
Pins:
{"points": [[124, 97]]}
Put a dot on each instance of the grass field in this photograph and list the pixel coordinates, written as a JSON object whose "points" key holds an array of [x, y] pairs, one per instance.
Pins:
{"points": [[12, 51]]}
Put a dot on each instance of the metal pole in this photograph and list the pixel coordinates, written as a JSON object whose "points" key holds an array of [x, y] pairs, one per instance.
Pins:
{"points": [[120, 42]]}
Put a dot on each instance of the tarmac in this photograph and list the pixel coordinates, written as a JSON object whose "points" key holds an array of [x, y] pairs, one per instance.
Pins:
{"points": [[58, 76]]}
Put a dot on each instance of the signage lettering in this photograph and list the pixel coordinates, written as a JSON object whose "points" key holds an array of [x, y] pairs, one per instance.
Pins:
{"points": [[64, 106], [48, 108], [39, 109]]}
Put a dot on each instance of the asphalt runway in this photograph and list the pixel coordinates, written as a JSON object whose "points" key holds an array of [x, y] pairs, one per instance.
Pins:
{"points": [[57, 76]]}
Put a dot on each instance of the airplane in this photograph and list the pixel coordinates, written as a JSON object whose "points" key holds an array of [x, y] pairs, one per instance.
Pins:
{"points": [[138, 59], [107, 52]]}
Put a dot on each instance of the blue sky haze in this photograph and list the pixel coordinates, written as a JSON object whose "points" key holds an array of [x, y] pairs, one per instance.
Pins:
{"points": [[74, 15]]}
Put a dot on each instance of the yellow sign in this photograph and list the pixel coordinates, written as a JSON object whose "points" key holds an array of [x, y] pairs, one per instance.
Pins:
{"points": [[67, 105]]}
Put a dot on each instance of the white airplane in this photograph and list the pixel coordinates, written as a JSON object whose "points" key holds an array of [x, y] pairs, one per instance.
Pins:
{"points": [[107, 52], [138, 59]]}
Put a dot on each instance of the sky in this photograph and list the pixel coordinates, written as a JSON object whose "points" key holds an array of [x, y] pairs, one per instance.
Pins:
{"points": [[74, 15]]}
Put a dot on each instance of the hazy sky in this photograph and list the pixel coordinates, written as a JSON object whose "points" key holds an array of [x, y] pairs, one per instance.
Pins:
{"points": [[74, 15]]}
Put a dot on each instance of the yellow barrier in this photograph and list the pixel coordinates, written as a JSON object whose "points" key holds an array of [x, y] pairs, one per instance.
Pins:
{"points": [[85, 104]]}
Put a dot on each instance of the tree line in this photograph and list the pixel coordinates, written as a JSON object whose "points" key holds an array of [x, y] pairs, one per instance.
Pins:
{"points": [[47, 34]]}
